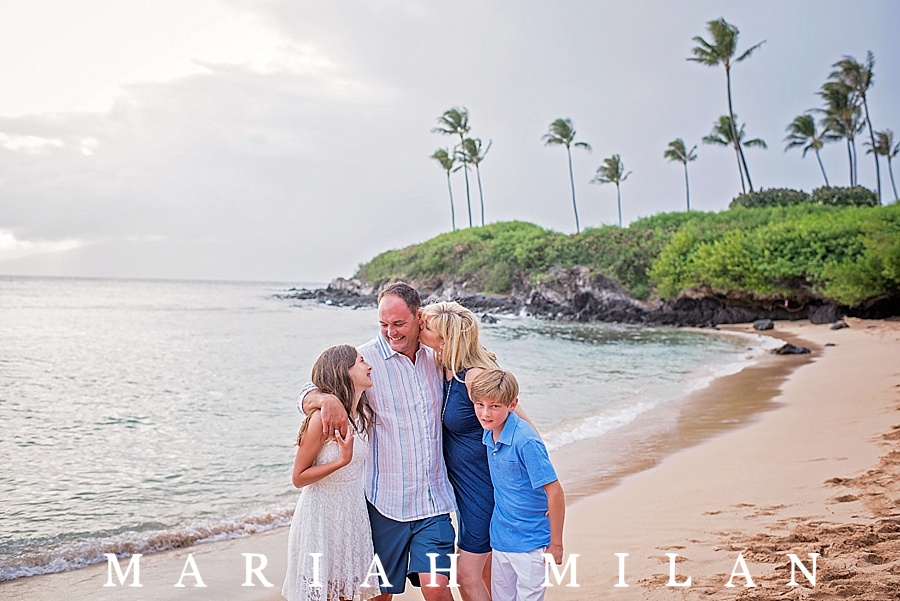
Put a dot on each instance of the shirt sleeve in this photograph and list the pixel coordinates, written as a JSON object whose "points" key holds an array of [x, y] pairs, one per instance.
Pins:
{"points": [[307, 388], [537, 463]]}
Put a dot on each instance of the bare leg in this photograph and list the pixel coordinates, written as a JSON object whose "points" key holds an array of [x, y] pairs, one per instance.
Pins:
{"points": [[383, 597], [470, 572], [435, 593]]}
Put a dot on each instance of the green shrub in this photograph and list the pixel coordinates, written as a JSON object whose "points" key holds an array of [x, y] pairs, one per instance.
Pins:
{"points": [[846, 254], [857, 196], [772, 197]]}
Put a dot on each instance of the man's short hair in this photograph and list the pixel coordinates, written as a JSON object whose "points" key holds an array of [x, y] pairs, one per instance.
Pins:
{"points": [[404, 291], [495, 385]]}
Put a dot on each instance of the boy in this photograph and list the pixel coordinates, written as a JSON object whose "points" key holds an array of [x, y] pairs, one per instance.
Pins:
{"points": [[529, 503]]}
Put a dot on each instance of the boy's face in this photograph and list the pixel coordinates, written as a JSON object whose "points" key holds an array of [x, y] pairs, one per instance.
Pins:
{"points": [[492, 413]]}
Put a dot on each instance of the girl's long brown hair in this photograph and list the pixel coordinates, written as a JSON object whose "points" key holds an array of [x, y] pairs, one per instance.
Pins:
{"points": [[331, 374]]}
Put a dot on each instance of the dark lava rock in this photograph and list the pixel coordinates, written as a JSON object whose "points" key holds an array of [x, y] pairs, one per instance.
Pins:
{"points": [[763, 324], [821, 314], [790, 349]]}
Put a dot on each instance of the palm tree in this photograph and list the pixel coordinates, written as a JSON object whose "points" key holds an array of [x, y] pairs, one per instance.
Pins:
{"points": [[471, 154], [563, 132], [859, 77], [884, 145], [721, 135], [802, 132], [677, 151], [722, 51], [447, 161], [842, 118], [455, 121], [612, 171]]}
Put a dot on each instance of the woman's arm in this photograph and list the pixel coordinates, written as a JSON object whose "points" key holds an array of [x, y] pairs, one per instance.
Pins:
{"points": [[304, 471], [473, 373]]}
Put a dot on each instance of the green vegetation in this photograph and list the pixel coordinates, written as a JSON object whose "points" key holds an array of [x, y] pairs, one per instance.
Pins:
{"points": [[849, 255], [721, 51], [612, 171], [677, 151], [562, 133]]}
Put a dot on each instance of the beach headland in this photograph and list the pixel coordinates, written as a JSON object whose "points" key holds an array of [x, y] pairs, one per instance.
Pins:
{"points": [[795, 455]]}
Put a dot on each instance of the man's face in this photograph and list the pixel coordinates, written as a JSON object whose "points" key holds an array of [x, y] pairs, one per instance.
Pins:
{"points": [[398, 325]]}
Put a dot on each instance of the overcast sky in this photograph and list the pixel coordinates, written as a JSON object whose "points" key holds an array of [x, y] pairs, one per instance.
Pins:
{"points": [[289, 140]]}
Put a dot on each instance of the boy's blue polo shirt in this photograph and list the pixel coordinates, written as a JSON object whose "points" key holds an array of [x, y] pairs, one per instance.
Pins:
{"points": [[520, 467]]}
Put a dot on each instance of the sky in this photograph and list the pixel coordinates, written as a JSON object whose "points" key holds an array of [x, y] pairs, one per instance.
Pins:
{"points": [[290, 140]]}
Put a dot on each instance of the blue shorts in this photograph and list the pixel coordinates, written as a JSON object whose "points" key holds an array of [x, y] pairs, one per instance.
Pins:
{"points": [[402, 547]]}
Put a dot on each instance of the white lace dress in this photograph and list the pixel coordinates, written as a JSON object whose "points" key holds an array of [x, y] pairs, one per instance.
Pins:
{"points": [[331, 519]]}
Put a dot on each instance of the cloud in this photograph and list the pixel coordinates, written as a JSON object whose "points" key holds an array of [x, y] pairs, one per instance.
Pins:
{"points": [[11, 248], [28, 143]]}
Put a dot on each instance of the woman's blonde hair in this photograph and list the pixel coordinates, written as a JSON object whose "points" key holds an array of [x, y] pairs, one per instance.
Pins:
{"points": [[458, 327], [331, 374]]}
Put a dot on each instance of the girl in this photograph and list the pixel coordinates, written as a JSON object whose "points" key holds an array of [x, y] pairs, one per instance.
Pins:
{"points": [[331, 520]]}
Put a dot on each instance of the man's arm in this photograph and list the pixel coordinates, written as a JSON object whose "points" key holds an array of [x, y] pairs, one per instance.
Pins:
{"points": [[556, 509], [334, 416]]}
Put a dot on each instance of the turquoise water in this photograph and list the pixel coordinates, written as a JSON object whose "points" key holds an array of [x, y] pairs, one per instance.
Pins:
{"points": [[139, 416]]}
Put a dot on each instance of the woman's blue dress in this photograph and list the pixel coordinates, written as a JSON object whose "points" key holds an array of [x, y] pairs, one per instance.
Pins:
{"points": [[467, 467]]}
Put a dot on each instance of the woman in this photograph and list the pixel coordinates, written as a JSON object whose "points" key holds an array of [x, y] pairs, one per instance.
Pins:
{"points": [[452, 331]]}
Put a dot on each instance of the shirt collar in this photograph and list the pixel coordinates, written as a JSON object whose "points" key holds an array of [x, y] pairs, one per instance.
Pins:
{"points": [[387, 352], [506, 434]]}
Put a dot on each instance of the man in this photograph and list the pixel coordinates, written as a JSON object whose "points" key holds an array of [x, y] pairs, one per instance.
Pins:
{"points": [[408, 493]]}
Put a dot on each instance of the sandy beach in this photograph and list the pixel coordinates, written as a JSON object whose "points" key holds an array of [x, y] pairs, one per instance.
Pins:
{"points": [[798, 454]]}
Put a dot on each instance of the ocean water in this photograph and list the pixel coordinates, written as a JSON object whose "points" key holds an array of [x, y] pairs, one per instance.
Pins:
{"points": [[139, 416]]}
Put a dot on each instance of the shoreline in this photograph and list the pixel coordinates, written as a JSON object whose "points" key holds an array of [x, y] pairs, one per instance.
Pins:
{"points": [[699, 417], [698, 428], [818, 474]]}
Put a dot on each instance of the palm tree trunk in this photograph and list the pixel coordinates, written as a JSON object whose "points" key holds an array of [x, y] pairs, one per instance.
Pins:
{"points": [[687, 186], [855, 163], [572, 180], [893, 185], [850, 156], [822, 167], [734, 136], [452, 209], [740, 170], [466, 173], [619, 200], [874, 154], [480, 194]]}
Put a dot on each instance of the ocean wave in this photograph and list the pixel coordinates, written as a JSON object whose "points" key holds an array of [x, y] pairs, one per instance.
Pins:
{"points": [[71, 555], [596, 426]]}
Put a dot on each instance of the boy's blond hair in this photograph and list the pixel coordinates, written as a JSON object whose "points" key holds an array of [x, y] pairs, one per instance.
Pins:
{"points": [[495, 385]]}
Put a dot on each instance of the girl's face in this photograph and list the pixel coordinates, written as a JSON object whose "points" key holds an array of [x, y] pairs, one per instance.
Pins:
{"points": [[428, 336], [361, 373]]}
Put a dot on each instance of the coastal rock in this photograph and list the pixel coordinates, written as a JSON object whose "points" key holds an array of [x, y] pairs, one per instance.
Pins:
{"points": [[579, 294], [340, 293], [822, 314], [763, 324], [840, 325], [583, 295], [790, 349]]}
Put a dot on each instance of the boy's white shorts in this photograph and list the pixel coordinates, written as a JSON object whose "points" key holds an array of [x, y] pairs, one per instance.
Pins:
{"points": [[517, 576]]}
